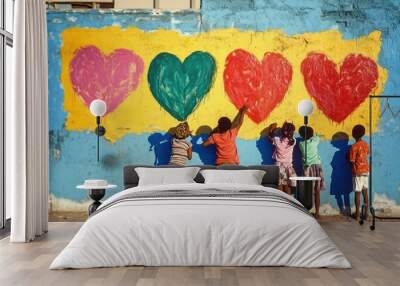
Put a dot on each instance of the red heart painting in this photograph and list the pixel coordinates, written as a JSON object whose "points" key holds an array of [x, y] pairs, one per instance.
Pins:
{"points": [[260, 86], [338, 94], [108, 77]]}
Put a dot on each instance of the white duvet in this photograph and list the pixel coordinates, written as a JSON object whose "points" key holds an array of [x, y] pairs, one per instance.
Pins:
{"points": [[200, 231]]}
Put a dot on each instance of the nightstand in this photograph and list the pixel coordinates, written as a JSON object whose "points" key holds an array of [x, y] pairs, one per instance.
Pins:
{"points": [[304, 190], [97, 190]]}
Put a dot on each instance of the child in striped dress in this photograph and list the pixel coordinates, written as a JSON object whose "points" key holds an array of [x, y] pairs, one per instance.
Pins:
{"points": [[312, 163], [181, 149]]}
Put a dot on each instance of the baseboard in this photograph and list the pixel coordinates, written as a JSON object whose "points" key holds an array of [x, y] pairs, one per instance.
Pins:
{"points": [[5, 231], [67, 216]]}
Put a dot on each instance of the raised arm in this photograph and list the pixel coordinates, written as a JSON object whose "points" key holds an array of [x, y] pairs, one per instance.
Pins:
{"points": [[238, 121], [207, 143], [270, 131]]}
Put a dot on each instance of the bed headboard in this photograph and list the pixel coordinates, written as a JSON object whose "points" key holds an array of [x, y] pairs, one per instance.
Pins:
{"points": [[271, 177]]}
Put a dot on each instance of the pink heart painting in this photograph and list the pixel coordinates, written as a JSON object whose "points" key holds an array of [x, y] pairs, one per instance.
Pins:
{"points": [[108, 77]]}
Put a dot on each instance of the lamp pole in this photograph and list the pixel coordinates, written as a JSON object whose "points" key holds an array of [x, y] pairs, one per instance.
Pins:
{"points": [[305, 141], [305, 108], [100, 131], [304, 187], [98, 108], [98, 137]]}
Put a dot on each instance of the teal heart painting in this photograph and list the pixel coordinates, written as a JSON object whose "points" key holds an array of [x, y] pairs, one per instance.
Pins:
{"points": [[179, 87]]}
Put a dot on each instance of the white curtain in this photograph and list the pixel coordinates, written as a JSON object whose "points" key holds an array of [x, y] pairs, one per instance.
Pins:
{"points": [[27, 124]]}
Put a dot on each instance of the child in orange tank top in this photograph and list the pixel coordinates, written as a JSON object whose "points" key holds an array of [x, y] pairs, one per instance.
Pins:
{"points": [[224, 139], [358, 157]]}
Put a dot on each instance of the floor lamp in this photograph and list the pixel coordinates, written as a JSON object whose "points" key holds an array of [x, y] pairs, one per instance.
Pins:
{"points": [[304, 187], [98, 108]]}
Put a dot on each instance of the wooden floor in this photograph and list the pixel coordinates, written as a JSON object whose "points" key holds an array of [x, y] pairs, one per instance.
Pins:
{"points": [[375, 257]]}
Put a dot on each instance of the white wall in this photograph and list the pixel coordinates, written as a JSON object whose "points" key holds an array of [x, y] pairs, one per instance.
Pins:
{"points": [[9, 65]]}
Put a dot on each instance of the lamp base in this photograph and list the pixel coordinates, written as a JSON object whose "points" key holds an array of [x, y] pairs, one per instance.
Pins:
{"points": [[100, 130], [96, 195], [304, 193]]}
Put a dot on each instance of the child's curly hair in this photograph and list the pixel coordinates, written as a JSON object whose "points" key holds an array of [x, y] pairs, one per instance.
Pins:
{"points": [[303, 130], [358, 131], [182, 130], [224, 124], [288, 129]]}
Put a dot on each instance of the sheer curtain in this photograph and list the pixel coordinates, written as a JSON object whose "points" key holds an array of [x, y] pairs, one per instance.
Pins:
{"points": [[26, 124]]}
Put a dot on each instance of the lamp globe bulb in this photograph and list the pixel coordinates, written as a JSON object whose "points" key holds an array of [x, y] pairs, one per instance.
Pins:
{"points": [[305, 107], [98, 107]]}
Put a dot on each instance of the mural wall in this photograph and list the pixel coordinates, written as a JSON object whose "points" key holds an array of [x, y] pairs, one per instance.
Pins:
{"points": [[155, 69]]}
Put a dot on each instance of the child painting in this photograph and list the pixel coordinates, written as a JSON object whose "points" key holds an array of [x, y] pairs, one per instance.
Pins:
{"points": [[181, 148], [224, 139], [312, 162], [360, 168], [284, 142]]}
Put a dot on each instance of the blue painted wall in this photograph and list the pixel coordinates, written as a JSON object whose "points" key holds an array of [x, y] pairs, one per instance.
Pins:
{"points": [[72, 154]]}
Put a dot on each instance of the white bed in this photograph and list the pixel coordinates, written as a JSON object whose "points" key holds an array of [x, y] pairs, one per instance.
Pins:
{"points": [[225, 225]]}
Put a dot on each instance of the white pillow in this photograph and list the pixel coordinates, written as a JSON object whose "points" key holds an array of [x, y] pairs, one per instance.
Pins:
{"points": [[248, 177], [166, 176]]}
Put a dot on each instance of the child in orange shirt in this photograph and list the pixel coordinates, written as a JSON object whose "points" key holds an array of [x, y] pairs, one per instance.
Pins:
{"points": [[360, 167], [224, 138]]}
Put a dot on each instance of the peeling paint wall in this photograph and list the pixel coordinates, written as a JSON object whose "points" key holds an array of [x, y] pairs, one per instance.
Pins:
{"points": [[73, 150]]}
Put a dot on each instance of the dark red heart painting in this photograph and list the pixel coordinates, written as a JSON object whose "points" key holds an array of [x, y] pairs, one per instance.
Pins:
{"points": [[338, 94], [259, 85]]}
